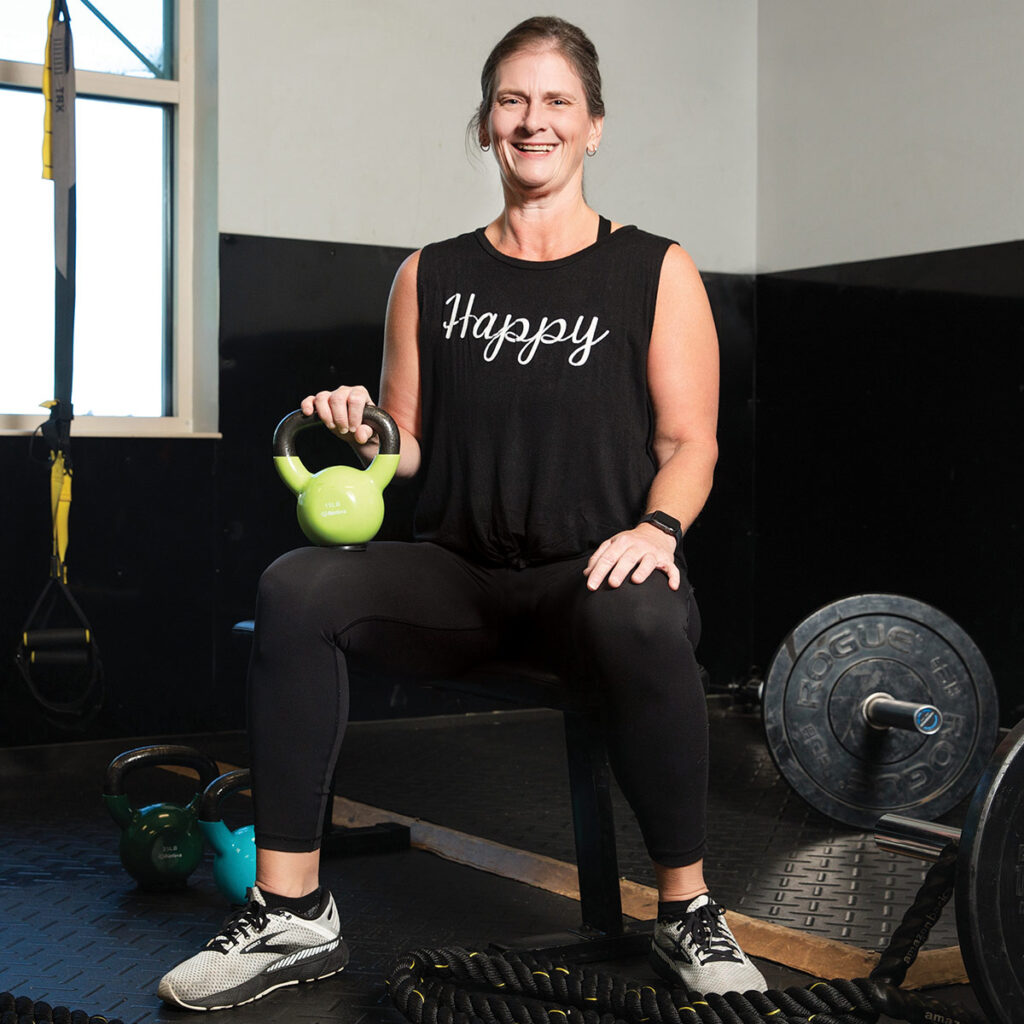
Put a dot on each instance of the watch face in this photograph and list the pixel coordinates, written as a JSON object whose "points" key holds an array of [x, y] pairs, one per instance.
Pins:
{"points": [[664, 522]]}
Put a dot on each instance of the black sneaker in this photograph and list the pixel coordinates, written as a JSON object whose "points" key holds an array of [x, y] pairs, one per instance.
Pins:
{"points": [[258, 949], [700, 953]]}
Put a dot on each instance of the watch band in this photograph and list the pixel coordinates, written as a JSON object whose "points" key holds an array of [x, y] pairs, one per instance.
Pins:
{"points": [[664, 522]]}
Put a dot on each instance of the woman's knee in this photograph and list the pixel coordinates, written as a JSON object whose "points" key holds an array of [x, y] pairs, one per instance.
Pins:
{"points": [[635, 640], [635, 614], [303, 580]]}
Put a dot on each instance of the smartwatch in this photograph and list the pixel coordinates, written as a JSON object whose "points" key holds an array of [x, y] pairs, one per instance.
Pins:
{"points": [[665, 523]]}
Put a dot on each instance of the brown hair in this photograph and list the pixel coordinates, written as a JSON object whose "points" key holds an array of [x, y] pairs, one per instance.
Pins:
{"points": [[571, 42]]}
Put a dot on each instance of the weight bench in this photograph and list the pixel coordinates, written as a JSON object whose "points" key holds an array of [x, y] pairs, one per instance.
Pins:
{"points": [[601, 934]]}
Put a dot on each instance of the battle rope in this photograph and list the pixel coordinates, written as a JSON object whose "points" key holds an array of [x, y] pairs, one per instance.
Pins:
{"points": [[456, 986], [22, 1010]]}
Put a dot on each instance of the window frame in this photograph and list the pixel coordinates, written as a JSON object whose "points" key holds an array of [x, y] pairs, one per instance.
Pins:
{"points": [[193, 225]]}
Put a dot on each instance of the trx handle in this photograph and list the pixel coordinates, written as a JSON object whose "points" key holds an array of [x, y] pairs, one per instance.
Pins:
{"points": [[79, 656], [54, 639], [385, 427], [50, 659]]}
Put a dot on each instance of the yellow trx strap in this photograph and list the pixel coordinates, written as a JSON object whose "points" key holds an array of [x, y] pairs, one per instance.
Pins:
{"points": [[60, 509], [60, 504], [48, 97]]}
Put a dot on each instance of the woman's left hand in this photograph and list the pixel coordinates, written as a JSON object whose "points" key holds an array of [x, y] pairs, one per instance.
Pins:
{"points": [[634, 554]]}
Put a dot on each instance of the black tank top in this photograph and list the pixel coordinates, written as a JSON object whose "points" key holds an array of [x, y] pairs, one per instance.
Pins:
{"points": [[537, 423]]}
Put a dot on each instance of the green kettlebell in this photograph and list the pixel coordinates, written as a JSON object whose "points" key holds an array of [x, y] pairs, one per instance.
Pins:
{"points": [[162, 844], [340, 505], [234, 852]]}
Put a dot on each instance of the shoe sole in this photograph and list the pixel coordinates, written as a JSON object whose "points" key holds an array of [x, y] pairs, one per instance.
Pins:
{"points": [[329, 962]]}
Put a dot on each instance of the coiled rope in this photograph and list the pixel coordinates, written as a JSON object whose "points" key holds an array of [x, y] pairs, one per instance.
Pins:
{"points": [[457, 986], [22, 1010]]}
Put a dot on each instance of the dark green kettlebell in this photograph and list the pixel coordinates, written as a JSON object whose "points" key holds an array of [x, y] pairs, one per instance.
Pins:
{"points": [[162, 844], [234, 851], [340, 506]]}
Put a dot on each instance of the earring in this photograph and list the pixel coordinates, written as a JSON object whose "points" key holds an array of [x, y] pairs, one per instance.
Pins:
{"points": [[591, 150], [485, 147]]}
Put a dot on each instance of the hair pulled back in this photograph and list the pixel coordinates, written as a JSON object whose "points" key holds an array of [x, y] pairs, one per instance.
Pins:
{"points": [[571, 42]]}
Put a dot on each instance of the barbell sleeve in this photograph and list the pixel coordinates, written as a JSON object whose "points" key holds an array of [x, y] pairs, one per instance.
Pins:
{"points": [[884, 712], [913, 837]]}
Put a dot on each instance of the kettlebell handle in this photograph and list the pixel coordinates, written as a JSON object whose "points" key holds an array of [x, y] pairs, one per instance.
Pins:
{"points": [[158, 754], [294, 422], [220, 789]]}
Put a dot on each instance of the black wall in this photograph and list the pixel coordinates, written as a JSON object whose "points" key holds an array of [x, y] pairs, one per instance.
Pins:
{"points": [[890, 416], [870, 422]]}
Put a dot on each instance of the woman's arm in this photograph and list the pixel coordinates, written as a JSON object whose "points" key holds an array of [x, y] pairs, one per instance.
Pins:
{"points": [[400, 373], [682, 374], [342, 409]]}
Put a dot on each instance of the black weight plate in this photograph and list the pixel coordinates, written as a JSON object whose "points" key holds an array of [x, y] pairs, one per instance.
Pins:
{"points": [[823, 745], [990, 884]]}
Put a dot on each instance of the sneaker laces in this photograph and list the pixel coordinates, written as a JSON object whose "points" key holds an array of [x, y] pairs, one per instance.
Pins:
{"points": [[243, 924], [701, 929]]}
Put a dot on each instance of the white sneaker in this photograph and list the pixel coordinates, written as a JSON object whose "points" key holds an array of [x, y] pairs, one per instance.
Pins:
{"points": [[257, 950], [701, 954]]}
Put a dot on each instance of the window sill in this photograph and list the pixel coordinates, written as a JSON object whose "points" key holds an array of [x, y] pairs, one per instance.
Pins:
{"points": [[108, 426]]}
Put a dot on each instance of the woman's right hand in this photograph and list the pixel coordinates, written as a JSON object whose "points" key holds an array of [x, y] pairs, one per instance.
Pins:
{"points": [[342, 412]]}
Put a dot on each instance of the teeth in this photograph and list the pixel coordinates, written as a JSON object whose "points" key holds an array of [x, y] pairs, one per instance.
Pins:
{"points": [[526, 148]]}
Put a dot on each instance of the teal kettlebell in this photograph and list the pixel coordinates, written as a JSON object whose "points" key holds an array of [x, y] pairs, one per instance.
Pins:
{"points": [[340, 506], [162, 844], [234, 852]]}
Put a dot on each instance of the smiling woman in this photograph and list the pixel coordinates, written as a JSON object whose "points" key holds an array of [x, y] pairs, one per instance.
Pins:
{"points": [[554, 379]]}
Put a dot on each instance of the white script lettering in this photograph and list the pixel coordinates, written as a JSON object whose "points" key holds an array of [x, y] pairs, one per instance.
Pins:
{"points": [[495, 331]]}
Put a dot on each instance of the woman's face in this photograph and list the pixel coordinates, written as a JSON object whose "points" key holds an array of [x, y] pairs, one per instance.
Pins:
{"points": [[539, 125]]}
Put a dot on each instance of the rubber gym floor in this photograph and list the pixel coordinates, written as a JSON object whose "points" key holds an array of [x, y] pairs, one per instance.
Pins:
{"points": [[76, 931]]}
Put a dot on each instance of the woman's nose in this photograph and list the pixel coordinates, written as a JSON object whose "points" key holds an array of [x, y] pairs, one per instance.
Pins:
{"points": [[532, 118]]}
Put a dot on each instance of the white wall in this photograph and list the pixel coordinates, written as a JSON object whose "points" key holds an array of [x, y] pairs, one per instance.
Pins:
{"points": [[888, 127], [344, 120]]}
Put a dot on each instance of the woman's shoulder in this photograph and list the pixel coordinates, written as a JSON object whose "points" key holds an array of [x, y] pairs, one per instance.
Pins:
{"points": [[650, 253], [454, 244], [640, 237]]}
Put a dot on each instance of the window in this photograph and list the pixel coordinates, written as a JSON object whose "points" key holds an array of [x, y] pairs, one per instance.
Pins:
{"points": [[145, 318]]}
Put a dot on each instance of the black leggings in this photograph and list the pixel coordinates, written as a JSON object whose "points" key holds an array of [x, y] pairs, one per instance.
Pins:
{"points": [[423, 610]]}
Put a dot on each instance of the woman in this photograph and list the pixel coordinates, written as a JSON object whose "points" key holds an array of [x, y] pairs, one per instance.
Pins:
{"points": [[554, 378]]}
